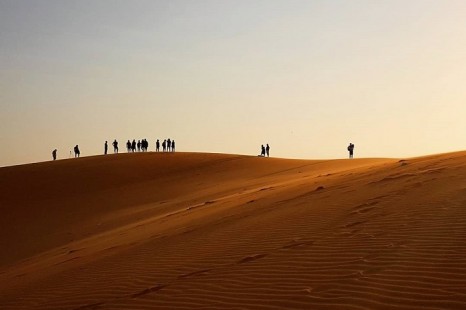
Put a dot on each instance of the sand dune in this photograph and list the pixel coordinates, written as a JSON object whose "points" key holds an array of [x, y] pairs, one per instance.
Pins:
{"points": [[215, 231]]}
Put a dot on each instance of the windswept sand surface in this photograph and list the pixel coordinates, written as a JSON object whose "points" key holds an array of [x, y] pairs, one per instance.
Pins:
{"points": [[213, 231]]}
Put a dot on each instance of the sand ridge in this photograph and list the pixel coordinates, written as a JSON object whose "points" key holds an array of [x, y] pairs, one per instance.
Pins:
{"points": [[213, 231]]}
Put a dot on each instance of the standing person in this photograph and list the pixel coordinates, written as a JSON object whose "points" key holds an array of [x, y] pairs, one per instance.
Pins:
{"points": [[76, 151], [139, 145], [164, 145], [173, 145], [143, 145], [262, 150], [54, 154], [105, 148], [157, 146], [350, 150], [267, 150], [115, 147], [128, 146], [169, 145], [133, 146]]}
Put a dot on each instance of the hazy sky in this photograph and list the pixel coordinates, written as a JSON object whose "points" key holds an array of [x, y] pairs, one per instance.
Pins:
{"points": [[307, 77]]}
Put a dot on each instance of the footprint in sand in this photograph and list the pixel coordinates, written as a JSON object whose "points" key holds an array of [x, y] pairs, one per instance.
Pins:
{"points": [[195, 273], [266, 188], [148, 291], [297, 244], [354, 224], [364, 208], [251, 258]]}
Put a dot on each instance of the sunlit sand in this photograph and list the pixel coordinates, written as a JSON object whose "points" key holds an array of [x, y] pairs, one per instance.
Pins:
{"points": [[216, 231]]}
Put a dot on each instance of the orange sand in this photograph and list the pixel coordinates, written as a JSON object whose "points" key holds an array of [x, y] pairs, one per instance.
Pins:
{"points": [[214, 231]]}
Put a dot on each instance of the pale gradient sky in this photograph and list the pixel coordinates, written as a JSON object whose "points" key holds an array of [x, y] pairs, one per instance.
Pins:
{"points": [[307, 77]]}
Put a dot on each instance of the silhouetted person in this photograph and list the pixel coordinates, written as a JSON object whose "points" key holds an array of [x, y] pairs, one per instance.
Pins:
{"points": [[128, 146], [133, 146], [76, 151], [157, 146], [351, 150], [169, 144], [105, 148], [173, 145], [54, 154], [164, 145], [146, 144], [262, 150], [115, 146], [267, 150], [139, 145]]}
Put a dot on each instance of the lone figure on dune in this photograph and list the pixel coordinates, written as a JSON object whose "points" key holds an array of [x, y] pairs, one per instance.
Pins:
{"points": [[54, 154], [76, 151], [105, 148], [350, 150]]}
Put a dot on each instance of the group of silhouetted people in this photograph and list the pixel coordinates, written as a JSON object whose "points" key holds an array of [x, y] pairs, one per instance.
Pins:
{"points": [[140, 146], [76, 150], [265, 150], [167, 145]]}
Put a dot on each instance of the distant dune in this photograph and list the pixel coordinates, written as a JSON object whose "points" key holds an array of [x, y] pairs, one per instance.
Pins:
{"points": [[216, 231]]}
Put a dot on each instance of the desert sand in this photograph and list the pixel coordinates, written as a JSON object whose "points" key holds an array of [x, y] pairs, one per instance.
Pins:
{"points": [[216, 231]]}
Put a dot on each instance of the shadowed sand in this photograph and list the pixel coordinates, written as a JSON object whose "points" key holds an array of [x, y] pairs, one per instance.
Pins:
{"points": [[215, 231]]}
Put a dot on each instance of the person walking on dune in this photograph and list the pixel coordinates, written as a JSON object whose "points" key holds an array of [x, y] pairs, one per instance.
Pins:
{"points": [[76, 151], [351, 150], [262, 150], [115, 146], [267, 150], [157, 146], [105, 148], [54, 154]]}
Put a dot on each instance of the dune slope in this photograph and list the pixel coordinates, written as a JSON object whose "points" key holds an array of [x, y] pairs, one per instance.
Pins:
{"points": [[215, 231]]}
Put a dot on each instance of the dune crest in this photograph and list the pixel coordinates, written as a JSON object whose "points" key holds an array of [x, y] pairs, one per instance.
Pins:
{"points": [[193, 230]]}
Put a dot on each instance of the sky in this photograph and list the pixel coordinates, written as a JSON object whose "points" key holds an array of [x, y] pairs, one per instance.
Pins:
{"points": [[307, 77]]}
